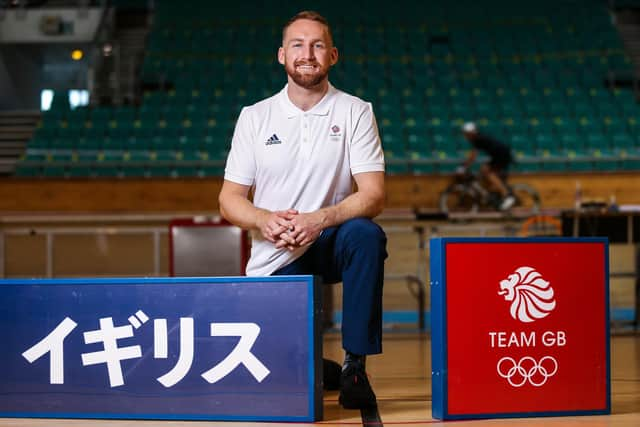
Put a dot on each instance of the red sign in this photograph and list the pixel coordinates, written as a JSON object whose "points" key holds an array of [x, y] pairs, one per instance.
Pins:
{"points": [[526, 327]]}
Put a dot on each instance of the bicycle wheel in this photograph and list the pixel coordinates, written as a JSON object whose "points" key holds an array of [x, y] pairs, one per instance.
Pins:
{"points": [[458, 198], [527, 198]]}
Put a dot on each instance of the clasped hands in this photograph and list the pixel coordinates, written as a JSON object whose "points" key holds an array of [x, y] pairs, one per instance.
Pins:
{"points": [[291, 229]]}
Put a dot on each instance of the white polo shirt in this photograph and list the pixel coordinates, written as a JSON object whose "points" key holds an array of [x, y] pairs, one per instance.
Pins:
{"points": [[301, 160]]}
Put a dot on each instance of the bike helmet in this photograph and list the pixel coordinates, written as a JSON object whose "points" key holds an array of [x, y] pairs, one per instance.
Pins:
{"points": [[469, 127]]}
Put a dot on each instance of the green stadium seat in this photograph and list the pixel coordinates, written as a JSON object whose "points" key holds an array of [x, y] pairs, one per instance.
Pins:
{"points": [[211, 171], [183, 172], [27, 171], [585, 109], [53, 171], [607, 164], [40, 142], [137, 156], [114, 144], [571, 140], [520, 141], [418, 168], [597, 141], [526, 164], [631, 164], [579, 165], [134, 172], [396, 168], [123, 133], [589, 124], [623, 141], [418, 141], [78, 171], [546, 141], [558, 108]]}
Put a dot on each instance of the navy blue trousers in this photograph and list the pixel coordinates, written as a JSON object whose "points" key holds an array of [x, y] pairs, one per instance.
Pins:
{"points": [[352, 253]]}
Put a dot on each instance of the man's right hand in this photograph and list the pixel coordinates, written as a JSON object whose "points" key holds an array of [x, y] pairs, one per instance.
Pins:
{"points": [[272, 225]]}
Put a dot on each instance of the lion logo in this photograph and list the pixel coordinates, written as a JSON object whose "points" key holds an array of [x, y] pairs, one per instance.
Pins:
{"points": [[531, 296]]}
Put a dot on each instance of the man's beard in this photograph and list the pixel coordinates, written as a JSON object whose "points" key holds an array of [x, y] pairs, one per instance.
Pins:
{"points": [[306, 81]]}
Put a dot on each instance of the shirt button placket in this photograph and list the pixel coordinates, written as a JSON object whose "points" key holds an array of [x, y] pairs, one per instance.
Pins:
{"points": [[305, 135]]}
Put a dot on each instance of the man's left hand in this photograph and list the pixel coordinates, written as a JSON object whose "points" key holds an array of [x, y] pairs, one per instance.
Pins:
{"points": [[305, 229]]}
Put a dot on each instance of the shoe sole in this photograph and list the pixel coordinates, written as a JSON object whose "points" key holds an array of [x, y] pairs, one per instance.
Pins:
{"points": [[357, 405]]}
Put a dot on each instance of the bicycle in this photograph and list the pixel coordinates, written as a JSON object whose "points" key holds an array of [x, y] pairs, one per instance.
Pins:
{"points": [[467, 193]]}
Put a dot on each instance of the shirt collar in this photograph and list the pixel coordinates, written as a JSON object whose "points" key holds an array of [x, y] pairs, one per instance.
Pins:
{"points": [[320, 109]]}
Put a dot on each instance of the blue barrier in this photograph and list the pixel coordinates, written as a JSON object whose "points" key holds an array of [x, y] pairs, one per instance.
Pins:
{"points": [[226, 349]]}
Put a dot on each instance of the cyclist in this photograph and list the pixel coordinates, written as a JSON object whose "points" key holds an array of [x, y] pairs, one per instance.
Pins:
{"points": [[495, 170]]}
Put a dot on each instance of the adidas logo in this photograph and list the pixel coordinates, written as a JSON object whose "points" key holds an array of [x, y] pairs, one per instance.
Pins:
{"points": [[273, 140]]}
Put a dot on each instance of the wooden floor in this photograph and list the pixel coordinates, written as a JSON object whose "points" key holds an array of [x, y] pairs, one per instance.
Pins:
{"points": [[401, 379]]}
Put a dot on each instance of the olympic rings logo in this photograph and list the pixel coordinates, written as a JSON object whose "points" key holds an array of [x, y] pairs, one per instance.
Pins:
{"points": [[527, 369]]}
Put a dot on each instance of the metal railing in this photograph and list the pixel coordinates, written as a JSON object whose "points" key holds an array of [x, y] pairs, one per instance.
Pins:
{"points": [[52, 230]]}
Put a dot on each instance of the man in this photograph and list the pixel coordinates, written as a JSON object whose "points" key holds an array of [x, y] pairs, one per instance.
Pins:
{"points": [[495, 170], [300, 151]]}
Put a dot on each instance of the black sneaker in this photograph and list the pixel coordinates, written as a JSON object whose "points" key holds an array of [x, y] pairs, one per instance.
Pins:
{"points": [[331, 372], [355, 390]]}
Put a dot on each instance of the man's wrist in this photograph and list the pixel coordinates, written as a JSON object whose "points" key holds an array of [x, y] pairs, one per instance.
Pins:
{"points": [[260, 218], [326, 217]]}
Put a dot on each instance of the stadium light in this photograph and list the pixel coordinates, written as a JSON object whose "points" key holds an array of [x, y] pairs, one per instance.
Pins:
{"points": [[77, 54], [46, 98], [78, 98]]}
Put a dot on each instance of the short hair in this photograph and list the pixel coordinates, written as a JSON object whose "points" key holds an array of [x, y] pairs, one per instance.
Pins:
{"points": [[310, 15]]}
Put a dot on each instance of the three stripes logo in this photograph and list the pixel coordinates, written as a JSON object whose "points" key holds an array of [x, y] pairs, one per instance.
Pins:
{"points": [[273, 140]]}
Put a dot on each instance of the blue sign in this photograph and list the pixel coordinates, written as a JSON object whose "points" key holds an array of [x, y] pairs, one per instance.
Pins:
{"points": [[233, 348], [516, 324]]}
